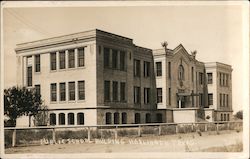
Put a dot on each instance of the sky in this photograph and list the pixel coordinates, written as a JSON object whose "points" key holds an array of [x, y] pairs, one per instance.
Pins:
{"points": [[215, 31]]}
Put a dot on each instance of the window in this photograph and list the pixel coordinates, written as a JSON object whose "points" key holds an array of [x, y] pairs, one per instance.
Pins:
{"points": [[192, 95], [52, 118], [137, 95], [116, 118], [106, 57], [38, 89], [53, 61], [169, 70], [29, 76], [146, 69], [122, 61], [220, 79], [209, 78], [53, 91], [71, 90], [210, 99], [159, 95], [159, 118], [114, 59], [181, 73], [108, 118], [227, 100], [201, 99], [223, 100], [80, 57], [223, 79], [37, 63], [62, 92], [169, 96], [137, 118], [81, 90], [137, 68], [158, 69], [221, 117], [115, 91], [62, 59], [106, 90], [124, 118], [61, 119], [71, 58], [148, 118], [71, 119], [227, 117], [80, 119], [123, 91], [201, 78], [146, 95], [227, 78], [220, 100], [192, 74]]}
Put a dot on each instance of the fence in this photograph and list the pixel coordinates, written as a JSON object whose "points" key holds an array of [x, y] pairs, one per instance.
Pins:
{"points": [[14, 134]]}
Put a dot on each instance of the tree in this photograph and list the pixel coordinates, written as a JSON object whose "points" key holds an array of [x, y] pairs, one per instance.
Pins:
{"points": [[42, 118], [19, 101], [239, 114]]}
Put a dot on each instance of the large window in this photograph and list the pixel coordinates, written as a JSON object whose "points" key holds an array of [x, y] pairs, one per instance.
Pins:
{"points": [[122, 61], [137, 68], [38, 89], [62, 59], [62, 92], [209, 78], [146, 69], [71, 90], [81, 90], [53, 61], [181, 73], [210, 99], [159, 95], [123, 91], [71, 119], [61, 119], [108, 118], [115, 91], [158, 69], [37, 63], [137, 95], [80, 57], [106, 90], [114, 59], [80, 119], [106, 57], [29, 76], [53, 92], [146, 95], [71, 58]]}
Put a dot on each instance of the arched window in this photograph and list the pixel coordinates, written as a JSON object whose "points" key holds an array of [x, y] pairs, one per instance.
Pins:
{"points": [[181, 72], [61, 119], [52, 118], [148, 118], [71, 120], [225, 117], [124, 118], [137, 118], [116, 118], [159, 117], [80, 119], [108, 118], [221, 117]]}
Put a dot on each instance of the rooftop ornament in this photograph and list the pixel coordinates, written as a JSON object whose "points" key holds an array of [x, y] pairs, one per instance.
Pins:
{"points": [[165, 44], [193, 53]]}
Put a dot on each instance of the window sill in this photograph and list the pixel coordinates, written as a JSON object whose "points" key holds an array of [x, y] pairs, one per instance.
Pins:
{"points": [[71, 101], [37, 73], [62, 102], [53, 102], [81, 101]]}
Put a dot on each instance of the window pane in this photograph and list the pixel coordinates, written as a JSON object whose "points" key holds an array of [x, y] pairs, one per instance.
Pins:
{"points": [[62, 92], [71, 90], [71, 58], [71, 119], [80, 119], [159, 95], [61, 119], [29, 76], [80, 57], [209, 78], [53, 91], [37, 63], [81, 90], [53, 61], [158, 69]]}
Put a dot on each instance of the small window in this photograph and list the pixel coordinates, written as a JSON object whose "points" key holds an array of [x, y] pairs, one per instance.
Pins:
{"points": [[159, 118], [114, 59], [62, 59], [115, 91], [71, 90], [159, 95], [71, 119], [209, 78], [116, 118], [146, 69], [169, 70], [137, 118], [61, 119], [80, 57], [106, 90], [106, 57], [62, 92], [158, 69], [122, 61], [53, 61], [137, 68], [123, 91], [52, 118], [38, 89], [124, 118], [108, 118], [137, 95], [81, 90], [71, 59], [146, 95], [210, 99], [80, 119], [148, 118], [37, 63], [53, 92], [201, 78], [29, 76]]}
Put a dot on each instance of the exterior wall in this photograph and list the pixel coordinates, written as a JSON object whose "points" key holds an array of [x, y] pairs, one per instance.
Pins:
{"points": [[185, 115], [210, 113]]}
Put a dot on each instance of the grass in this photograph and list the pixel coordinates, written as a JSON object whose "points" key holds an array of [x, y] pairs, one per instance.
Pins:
{"points": [[231, 148]]}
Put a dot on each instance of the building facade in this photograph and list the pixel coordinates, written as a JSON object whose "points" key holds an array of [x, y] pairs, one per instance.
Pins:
{"points": [[189, 90], [90, 78], [95, 77]]}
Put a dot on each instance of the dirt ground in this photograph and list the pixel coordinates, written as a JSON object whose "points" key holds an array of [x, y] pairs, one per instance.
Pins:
{"points": [[192, 142]]}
